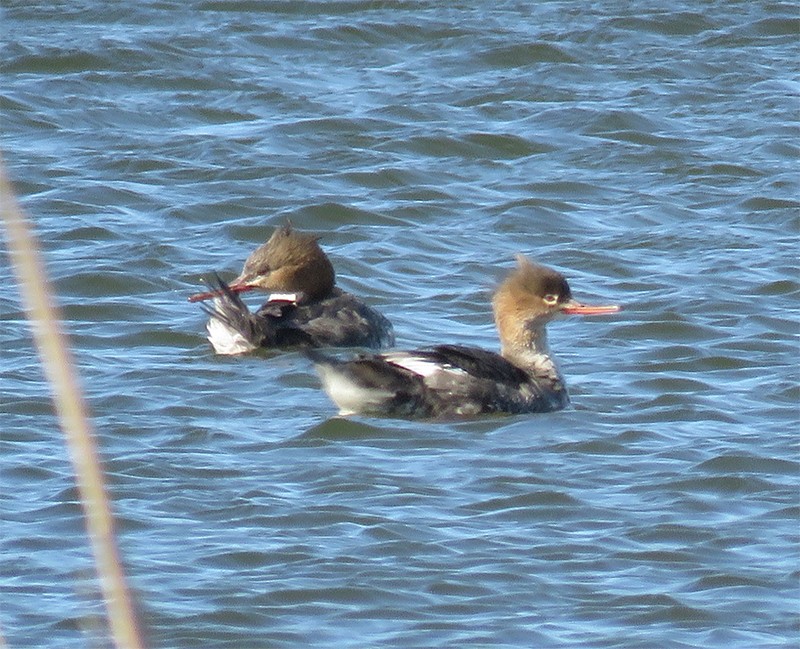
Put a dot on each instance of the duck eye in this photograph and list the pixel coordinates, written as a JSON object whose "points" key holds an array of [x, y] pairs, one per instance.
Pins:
{"points": [[550, 299]]}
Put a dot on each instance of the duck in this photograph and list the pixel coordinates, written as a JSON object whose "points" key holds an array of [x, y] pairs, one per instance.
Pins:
{"points": [[305, 307], [456, 381]]}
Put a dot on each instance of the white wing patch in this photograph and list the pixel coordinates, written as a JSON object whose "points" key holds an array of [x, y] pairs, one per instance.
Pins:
{"points": [[424, 367]]}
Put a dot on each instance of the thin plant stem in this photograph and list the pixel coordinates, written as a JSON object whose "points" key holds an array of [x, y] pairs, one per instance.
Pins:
{"points": [[59, 368]]}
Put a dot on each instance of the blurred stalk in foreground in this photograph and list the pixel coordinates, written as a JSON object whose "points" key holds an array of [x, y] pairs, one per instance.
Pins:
{"points": [[60, 371]]}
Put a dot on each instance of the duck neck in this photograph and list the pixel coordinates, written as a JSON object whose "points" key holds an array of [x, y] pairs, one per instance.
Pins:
{"points": [[528, 350]]}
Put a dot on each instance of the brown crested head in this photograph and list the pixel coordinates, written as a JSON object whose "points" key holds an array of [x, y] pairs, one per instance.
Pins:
{"points": [[289, 261], [530, 297], [531, 291]]}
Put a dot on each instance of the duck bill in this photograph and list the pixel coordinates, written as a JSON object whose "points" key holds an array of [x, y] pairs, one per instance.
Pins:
{"points": [[576, 308], [235, 288]]}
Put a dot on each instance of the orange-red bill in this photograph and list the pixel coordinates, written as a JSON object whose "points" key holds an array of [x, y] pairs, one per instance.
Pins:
{"points": [[236, 288], [576, 308]]}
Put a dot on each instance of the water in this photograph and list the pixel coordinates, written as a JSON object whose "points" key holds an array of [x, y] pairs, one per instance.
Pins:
{"points": [[651, 155]]}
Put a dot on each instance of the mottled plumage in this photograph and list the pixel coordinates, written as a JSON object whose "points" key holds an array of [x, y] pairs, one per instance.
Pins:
{"points": [[457, 381]]}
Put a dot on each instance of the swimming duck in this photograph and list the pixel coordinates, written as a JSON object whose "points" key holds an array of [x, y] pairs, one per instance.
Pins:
{"points": [[458, 381]]}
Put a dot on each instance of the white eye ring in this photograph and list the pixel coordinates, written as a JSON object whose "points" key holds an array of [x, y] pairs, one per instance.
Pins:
{"points": [[550, 300]]}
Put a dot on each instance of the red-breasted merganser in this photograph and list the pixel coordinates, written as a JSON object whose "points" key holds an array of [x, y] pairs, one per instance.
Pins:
{"points": [[309, 311], [455, 381]]}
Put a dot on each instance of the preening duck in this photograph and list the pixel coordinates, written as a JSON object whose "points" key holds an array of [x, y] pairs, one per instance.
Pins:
{"points": [[305, 308]]}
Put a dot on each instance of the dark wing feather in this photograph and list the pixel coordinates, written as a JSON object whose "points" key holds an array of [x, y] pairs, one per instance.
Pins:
{"points": [[232, 311], [480, 363]]}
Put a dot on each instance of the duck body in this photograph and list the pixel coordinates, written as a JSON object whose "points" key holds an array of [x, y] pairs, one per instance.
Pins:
{"points": [[441, 382], [449, 381], [306, 308]]}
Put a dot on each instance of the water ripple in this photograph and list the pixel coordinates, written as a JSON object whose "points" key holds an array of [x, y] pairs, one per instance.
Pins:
{"points": [[426, 144]]}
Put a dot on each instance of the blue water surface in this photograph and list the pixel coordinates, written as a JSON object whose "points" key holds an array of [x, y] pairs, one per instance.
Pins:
{"points": [[648, 152]]}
